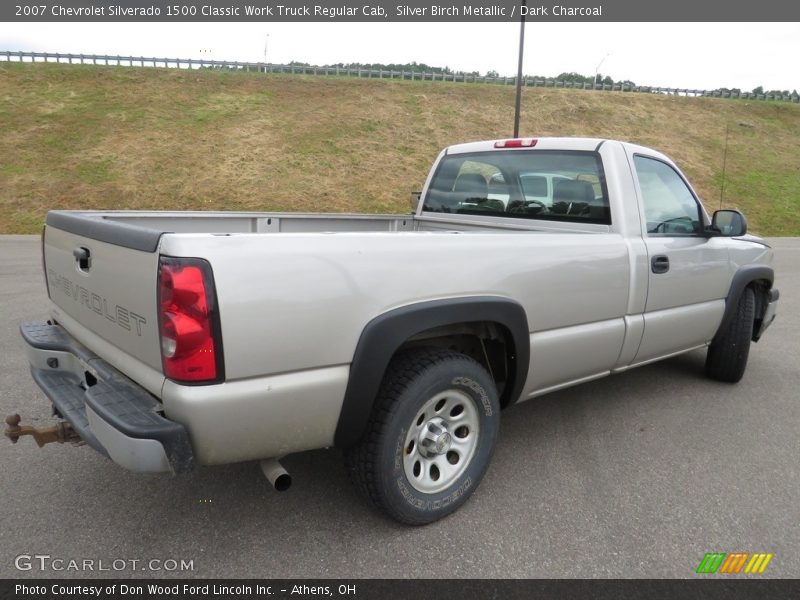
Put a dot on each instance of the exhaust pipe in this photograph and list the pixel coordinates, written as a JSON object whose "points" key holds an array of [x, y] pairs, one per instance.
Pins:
{"points": [[276, 474]]}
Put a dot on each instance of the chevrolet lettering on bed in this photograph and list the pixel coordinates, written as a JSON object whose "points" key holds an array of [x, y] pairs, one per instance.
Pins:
{"points": [[178, 339], [124, 317]]}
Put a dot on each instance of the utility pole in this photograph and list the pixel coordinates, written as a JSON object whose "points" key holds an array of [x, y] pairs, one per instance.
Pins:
{"points": [[519, 68], [266, 43], [725, 158], [597, 70], [724, 164]]}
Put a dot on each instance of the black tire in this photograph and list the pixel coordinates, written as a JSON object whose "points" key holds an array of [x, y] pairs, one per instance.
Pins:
{"points": [[727, 356], [415, 384]]}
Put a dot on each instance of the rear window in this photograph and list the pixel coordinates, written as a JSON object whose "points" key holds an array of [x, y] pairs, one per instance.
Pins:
{"points": [[524, 184]]}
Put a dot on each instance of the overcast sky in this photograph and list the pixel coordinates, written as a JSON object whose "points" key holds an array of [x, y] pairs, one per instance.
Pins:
{"points": [[693, 55]]}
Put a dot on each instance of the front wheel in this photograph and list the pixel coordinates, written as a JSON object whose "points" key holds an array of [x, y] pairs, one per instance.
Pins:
{"points": [[727, 356], [430, 437]]}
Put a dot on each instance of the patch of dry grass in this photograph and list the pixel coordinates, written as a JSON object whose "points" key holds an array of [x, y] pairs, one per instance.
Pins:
{"points": [[117, 137]]}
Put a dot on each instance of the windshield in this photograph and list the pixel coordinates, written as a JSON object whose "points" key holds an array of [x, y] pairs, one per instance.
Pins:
{"points": [[528, 184]]}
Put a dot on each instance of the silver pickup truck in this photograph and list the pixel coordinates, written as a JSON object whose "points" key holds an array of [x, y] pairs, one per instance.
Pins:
{"points": [[178, 339]]}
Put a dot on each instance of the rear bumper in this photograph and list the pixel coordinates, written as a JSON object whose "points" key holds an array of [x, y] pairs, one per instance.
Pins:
{"points": [[111, 413]]}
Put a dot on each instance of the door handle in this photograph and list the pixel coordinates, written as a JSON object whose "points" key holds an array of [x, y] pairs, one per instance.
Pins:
{"points": [[83, 257], [659, 264]]}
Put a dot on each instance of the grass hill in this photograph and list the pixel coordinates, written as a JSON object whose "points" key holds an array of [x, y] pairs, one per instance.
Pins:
{"points": [[118, 137]]}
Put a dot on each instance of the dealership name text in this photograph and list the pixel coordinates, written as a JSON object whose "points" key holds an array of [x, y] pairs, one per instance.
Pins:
{"points": [[187, 589]]}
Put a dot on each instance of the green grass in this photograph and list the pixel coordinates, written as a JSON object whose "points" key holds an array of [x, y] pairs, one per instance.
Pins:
{"points": [[116, 137]]}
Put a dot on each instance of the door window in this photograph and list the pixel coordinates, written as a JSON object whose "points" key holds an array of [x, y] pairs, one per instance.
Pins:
{"points": [[670, 208]]}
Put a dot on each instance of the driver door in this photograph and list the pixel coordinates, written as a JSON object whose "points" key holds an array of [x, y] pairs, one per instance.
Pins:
{"points": [[688, 273]]}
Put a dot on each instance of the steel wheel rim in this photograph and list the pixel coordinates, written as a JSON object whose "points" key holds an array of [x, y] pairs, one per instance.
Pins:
{"points": [[441, 441]]}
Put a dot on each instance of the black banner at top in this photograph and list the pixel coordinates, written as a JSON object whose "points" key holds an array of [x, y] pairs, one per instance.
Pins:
{"points": [[384, 11]]}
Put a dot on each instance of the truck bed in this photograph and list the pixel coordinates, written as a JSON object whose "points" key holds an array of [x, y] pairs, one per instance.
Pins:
{"points": [[120, 227]]}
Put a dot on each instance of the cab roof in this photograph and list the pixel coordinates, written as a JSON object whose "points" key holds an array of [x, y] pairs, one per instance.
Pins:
{"points": [[541, 143], [550, 143]]}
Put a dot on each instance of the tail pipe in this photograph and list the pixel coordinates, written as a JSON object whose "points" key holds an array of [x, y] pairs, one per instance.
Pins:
{"points": [[276, 474]]}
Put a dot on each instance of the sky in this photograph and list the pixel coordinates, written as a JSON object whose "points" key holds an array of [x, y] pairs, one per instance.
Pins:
{"points": [[685, 55]]}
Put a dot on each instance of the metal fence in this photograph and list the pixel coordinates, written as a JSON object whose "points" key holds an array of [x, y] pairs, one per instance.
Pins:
{"points": [[260, 67]]}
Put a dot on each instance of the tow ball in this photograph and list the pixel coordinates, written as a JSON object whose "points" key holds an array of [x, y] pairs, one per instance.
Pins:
{"points": [[60, 432]]}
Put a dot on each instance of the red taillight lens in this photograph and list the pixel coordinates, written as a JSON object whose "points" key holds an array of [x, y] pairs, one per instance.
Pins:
{"points": [[517, 143], [191, 349]]}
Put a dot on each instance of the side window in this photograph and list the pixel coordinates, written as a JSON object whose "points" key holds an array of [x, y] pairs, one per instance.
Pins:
{"points": [[670, 208]]}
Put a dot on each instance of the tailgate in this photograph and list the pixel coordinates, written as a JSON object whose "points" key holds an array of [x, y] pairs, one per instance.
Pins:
{"points": [[101, 278]]}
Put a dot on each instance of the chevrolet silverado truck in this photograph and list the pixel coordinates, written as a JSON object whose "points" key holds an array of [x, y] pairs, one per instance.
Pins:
{"points": [[177, 339]]}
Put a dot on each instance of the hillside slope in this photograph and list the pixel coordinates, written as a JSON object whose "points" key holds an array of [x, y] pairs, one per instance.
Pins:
{"points": [[117, 137]]}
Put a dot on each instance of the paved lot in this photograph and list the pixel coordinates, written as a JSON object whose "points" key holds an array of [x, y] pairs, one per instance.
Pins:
{"points": [[636, 475]]}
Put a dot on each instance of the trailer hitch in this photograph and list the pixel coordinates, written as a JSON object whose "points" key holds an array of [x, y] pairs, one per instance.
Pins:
{"points": [[60, 432]]}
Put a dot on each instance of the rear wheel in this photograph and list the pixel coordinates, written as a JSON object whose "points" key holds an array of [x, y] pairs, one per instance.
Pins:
{"points": [[430, 437], [727, 356]]}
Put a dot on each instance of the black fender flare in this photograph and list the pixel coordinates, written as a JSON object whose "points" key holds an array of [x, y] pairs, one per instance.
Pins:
{"points": [[386, 333], [743, 277]]}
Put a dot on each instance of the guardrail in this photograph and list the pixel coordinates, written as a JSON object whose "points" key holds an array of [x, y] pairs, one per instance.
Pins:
{"points": [[233, 65]]}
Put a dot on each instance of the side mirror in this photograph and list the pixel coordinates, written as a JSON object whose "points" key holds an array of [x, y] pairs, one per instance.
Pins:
{"points": [[415, 196], [730, 223]]}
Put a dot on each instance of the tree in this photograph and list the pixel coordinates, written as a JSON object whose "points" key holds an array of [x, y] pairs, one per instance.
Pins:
{"points": [[759, 90], [574, 77]]}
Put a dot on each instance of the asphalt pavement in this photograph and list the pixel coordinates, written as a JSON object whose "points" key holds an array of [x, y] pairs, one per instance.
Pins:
{"points": [[635, 475]]}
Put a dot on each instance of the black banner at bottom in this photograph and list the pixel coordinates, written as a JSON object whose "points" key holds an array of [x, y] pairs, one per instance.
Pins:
{"points": [[412, 589]]}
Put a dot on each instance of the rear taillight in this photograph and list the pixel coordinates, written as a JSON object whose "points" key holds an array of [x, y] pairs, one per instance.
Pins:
{"points": [[191, 343]]}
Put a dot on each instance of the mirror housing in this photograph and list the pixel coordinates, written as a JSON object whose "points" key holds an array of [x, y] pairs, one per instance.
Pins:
{"points": [[728, 223]]}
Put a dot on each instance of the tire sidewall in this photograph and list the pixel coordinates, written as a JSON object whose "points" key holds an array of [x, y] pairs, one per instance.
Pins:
{"points": [[472, 380]]}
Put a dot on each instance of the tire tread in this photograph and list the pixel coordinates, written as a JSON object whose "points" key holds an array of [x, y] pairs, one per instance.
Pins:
{"points": [[727, 356]]}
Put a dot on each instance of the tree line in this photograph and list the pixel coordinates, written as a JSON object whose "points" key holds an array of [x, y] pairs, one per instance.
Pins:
{"points": [[571, 77]]}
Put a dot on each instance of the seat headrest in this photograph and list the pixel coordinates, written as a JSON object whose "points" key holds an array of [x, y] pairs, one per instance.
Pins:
{"points": [[473, 184], [572, 190]]}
